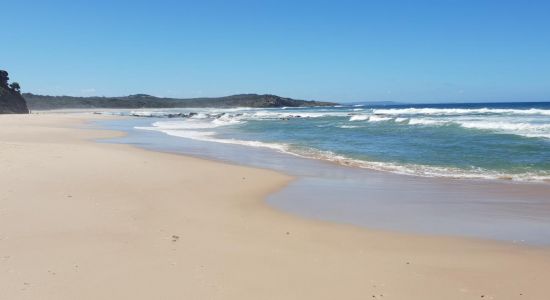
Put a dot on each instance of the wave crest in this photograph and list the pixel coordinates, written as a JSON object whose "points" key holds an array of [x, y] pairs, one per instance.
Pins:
{"points": [[461, 111]]}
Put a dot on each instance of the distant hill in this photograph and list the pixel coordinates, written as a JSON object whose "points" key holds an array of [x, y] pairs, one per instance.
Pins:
{"points": [[40, 102], [11, 101]]}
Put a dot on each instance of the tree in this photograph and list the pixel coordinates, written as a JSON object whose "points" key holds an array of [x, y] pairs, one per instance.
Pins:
{"points": [[4, 78], [14, 86]]}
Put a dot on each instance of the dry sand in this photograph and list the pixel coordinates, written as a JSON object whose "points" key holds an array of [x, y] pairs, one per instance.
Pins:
{"points": [[83, 220]]}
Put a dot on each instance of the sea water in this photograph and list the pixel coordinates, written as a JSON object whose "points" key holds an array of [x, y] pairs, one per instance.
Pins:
{"points": [[476, 170], [507, 141]]}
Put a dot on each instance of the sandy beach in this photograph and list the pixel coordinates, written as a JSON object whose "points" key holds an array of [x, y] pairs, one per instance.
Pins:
{"points": [[85, 220]]}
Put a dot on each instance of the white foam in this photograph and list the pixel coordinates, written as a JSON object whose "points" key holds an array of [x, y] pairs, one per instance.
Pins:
{"points": [[209, 136], [260, 115], [197, 123], [200, 116], [405, 169], [524, 129], [147, 113], [496, 126], [378, 119], [370, 118], [193, 129], [527, 122], [359, 118], [505, 125], [421, 121], [226, 120], [418, 170], [427, 171], [460, 111], [400, 120]]}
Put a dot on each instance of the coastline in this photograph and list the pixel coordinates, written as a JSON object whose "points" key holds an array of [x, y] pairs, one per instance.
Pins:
{"points": [[90, 220], [487, 209]]}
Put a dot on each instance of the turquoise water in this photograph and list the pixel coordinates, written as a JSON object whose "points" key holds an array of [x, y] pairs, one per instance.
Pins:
{"points": [[501, 141]]}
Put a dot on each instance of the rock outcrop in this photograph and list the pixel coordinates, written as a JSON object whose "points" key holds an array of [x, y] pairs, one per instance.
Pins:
{"points": [[11, 101]]}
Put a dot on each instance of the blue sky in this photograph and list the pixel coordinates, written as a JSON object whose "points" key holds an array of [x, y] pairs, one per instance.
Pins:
{"points": [[412, 51]]}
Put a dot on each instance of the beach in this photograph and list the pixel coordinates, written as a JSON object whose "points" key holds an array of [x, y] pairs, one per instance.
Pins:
{"points": [[87, 220]]}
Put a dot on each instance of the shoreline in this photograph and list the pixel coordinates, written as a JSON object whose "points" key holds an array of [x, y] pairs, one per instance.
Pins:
{"points": [[432, 159], [497, 210], [293, 178], [406, 169], [140, 233]]}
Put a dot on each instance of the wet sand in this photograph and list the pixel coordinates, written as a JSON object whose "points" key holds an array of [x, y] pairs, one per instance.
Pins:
{"points": [[84, 220], [502, 210]]}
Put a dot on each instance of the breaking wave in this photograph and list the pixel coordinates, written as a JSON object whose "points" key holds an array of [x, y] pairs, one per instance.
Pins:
{"points": [[461, 111], [304, 131]]}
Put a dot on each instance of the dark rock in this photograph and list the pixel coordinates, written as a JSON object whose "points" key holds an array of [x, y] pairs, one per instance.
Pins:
{"points": [[11, 101]]}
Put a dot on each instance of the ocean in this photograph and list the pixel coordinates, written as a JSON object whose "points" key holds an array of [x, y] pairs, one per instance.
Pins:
{"points": [[474, 170], [503, 141]]}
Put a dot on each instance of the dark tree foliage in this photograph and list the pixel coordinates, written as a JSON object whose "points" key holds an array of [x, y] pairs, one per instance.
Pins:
{"points": [[4, 78], [147, 101], [14, 86], [11, 100]]}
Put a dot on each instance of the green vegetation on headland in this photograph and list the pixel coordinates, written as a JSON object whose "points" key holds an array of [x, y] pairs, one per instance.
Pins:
{"points": [[40, 102], [11, 101]]}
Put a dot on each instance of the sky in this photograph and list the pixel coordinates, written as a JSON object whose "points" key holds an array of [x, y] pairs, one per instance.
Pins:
{"points": [[384, 50]]}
